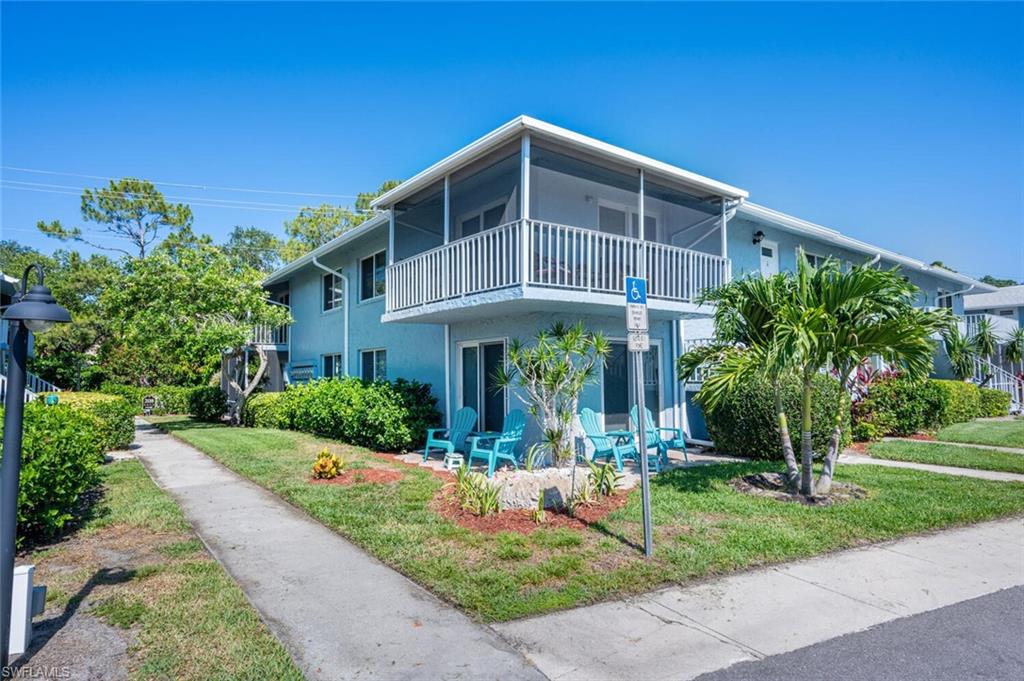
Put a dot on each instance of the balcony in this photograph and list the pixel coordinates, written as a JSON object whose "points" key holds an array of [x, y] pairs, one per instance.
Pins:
{"points": [[543, 261], [270, 336]]}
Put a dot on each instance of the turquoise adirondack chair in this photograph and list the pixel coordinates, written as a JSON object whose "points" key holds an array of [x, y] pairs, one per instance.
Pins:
{"points": [[493, 447], [655, 438], [604, 444], [451, 439]]}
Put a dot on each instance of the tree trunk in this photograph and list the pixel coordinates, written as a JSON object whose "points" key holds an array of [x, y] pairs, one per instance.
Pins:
{"points": [[235, 413], [806, 446], [792, 470], [824, 483]]}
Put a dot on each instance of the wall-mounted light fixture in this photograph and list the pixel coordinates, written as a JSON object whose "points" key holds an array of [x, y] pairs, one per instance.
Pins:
{"points": [[758, 237]]}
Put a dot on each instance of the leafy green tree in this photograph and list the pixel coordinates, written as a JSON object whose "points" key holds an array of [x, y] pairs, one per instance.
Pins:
{"points": [[315, 226], [818, 319], [551, 374], [129, 209], [175, 312], [254, 248], [997, 281]]}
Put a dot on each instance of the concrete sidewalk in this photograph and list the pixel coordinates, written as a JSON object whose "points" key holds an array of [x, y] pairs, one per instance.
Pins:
{"points": [[998, 448], [683, 632], [855, 459], [341, 613]]}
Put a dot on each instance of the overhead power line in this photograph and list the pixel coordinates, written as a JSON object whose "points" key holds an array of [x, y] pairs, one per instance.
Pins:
{"points": [[183, 184]]}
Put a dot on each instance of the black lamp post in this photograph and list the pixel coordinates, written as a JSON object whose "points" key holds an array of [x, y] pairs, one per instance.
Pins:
{"points": [[32, 311]]}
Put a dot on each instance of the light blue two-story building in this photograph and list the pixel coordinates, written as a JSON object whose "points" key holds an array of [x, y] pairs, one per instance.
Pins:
{"points": [[528, 225]]}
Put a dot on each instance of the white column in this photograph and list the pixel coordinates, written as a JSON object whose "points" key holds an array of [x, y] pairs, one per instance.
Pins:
{"points": [[640, 206], [391, 236], [447, 208], [524, 211], [724, 222]]}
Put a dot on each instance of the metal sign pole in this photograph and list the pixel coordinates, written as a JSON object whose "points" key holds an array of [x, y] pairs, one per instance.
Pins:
{"points": [[645, 475], [638, 343]]}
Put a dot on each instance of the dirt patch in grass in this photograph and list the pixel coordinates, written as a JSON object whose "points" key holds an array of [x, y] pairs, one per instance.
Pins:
{"points": [[773, 486], [354, 476], [520, 520], [926, 437], [859, 447]]}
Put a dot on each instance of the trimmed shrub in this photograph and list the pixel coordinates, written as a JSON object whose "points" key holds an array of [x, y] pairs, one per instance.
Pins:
{"points": [[420, 406], [62, 449], [170, 399], [265, 410], [115, 415], [745, 424], [961, 402], [207, 403], [897, 405], [993, 402]]}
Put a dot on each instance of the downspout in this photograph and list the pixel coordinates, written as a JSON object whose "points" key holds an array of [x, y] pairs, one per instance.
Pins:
{"points": [[447, 376], [953, 295], [674, 332], [344, 313], [874, 260]]}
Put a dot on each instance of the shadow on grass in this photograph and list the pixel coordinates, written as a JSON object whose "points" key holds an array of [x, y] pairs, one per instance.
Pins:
{"points": [[699, 479], [46, 629]]}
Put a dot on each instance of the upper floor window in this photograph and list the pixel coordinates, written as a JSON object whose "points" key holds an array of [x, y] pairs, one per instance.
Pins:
{"points": [[814, 259], [483, 219], [333, 294], [944, 298], [371, 276], [332, 366], [374, 365]]}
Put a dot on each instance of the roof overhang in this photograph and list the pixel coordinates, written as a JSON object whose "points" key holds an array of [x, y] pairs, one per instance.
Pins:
{"points": [[375, 222], [1007, 296], [521, 124], [795, 225]]}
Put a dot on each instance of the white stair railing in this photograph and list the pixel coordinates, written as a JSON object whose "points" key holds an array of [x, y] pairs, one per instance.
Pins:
{"points": [[989, 375]]}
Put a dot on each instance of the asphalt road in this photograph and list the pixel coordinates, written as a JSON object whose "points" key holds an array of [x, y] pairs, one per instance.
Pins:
{"points": [[979, 639]]}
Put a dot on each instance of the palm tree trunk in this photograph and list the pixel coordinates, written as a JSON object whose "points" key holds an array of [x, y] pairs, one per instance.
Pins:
{"points": [[824, 484], [792, 471], [806, 446]]}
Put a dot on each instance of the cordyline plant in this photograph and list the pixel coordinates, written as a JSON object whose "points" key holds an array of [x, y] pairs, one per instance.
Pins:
{"points": [[800, 324], [551, 375]]}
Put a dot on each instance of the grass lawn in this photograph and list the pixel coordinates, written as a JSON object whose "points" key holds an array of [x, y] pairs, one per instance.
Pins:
{"points": [[136, 565], [943, 454], [998, 433], [702, 526]]}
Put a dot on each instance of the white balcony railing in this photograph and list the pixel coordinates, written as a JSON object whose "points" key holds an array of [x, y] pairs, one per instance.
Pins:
{"points": [[264, 334], [547, 255], [1003, 326]]}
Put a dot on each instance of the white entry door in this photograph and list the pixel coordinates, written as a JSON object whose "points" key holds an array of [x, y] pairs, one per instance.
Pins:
{"points": [[769, 258]]}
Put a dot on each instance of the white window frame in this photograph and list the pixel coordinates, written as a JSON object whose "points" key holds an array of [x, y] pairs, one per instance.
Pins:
{"points": [[338, 286], [479, 212], [811, 255], [373, 256], [337, 361], [374, 352], [459, 369]]}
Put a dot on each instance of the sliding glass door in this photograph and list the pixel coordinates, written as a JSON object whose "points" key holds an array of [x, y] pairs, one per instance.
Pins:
{"points": [[479, 363], [620, 385]]}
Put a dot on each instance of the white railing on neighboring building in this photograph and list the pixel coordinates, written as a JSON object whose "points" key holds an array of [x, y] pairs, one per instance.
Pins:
{"points": [[1003, 326], [264, 334], [691, 344], [33, 384], [989, 375], [548, 255]]}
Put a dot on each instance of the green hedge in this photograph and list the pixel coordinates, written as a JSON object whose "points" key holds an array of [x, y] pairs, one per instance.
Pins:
{"points": [[208, 403], [380, 415], [115, 415], [62, 449], [202, 401], [897, 405], [993, 402], [961, 402], [745, 424]]}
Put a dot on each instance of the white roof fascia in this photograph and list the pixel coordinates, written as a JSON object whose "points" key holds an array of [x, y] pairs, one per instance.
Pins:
{"points": [[798, 226], [336, 242], [569, 138]]}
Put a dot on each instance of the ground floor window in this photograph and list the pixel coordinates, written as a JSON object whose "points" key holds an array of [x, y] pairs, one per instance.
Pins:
{"points": [[374, 365], [619, 386], [332, 366], [478, 388]]}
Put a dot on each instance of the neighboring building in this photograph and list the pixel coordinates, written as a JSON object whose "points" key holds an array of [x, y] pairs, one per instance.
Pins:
{"points": [[1005, 303], [526, 226]]}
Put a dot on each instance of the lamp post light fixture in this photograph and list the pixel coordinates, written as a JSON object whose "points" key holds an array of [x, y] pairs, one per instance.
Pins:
{"points": [[32, 311], [758, 237]]}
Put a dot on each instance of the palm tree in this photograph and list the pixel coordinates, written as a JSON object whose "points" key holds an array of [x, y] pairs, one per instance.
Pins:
{"points": [[813, 320], [985, 341], [960, 350], [1013, 349]]}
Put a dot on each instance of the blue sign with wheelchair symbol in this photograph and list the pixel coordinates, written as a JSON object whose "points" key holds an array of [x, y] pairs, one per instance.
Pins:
{"points": [[636, 291]]}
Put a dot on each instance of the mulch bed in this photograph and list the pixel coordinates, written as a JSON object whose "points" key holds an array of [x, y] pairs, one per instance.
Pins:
{"points": [[859, 447], [927, 437], [353, 476], [773, 486], [520, 520]]}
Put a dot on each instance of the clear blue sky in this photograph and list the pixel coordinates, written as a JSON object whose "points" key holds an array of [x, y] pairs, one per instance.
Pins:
{"points": [[902, 125]]}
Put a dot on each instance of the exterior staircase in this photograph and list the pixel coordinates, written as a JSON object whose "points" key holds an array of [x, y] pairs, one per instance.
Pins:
{"points": [[989, 375]]}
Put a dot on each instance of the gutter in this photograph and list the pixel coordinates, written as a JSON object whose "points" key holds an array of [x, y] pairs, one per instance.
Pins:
{"points": [[344, 313], [954, 294]]}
